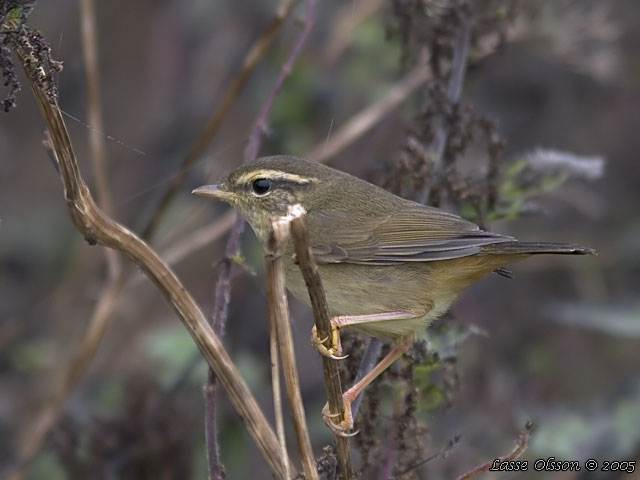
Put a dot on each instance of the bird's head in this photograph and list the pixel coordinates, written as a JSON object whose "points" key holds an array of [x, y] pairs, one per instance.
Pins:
{"points": [[265, 188]]}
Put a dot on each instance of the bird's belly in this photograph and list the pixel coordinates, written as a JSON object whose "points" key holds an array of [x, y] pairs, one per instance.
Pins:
{"points": [[364, 289]]}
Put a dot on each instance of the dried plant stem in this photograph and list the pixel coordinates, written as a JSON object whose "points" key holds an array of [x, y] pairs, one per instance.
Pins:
{"points": [[199, 238], [196, 240], [116, 280], [443, 452], [216, 468], [103, 311], [223, 285], [261, 123], [217, 322], [99, 228], [309, 269], [275, 299], [101, 316], [251, 59], [94, 111], [279, 318], [275, 366], [520, 447]]}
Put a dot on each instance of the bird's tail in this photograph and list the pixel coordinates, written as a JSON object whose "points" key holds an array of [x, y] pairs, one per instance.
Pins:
{"points": [[535, 248]]}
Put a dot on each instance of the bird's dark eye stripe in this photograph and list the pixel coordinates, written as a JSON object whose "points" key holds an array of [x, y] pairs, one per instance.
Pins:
{"points": [[261, 186]]}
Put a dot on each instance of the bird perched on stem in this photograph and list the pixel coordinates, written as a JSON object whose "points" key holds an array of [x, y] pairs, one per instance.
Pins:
{"points": [[389, 266]]}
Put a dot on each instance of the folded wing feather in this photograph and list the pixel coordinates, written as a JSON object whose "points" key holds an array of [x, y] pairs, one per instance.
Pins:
{"points": [[415, 234]]}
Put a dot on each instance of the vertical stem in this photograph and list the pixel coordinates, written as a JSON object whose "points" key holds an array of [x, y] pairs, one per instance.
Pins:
{"points": [[92, 77], [275, 375], [216, 469], [280, 321], [94, 113], [223, 287], [330, 370]]}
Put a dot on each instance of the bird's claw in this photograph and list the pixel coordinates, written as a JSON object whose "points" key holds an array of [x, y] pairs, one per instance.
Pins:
{"points": [[335, 350], [326, 414], [340, 357], [345, 426]]}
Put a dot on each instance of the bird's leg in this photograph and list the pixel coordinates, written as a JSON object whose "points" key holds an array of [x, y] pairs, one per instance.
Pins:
{"points": [[342, 428], [335, 350]]}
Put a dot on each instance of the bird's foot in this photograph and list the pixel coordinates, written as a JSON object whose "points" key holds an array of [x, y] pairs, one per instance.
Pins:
{"points": [[344, 428], [334, 351]]}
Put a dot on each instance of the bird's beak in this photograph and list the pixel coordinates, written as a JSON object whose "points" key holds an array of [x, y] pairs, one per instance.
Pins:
{"points": [[215, 191]]}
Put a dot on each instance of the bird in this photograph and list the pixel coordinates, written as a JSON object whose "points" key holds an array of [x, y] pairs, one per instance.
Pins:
{"points": [[389, 266]]}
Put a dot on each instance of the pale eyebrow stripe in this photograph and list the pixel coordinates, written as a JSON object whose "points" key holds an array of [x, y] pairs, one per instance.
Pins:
{"points": [[275, 175]]}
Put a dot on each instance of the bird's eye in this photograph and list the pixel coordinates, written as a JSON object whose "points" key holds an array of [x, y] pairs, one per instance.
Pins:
{"points": [[261, 186]]}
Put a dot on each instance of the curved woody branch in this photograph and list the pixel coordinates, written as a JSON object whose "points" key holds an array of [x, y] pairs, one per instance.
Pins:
{"points": [[98, 228]]}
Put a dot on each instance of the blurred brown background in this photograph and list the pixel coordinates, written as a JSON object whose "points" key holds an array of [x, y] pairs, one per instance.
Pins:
{"points": [[559, 344]]}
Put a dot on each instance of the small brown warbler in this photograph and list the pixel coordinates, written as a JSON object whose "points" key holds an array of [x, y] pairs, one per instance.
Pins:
{"points": [[389, 266]]}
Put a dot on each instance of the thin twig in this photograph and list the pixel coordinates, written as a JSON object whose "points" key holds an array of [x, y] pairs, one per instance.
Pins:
{"points": [[261, 123], [94, 105], [309, 269], [279, 317], [521, 445], [216, 468], [275, 362], [275, 297], [94, 113], [364, 120], [99, 228], [443, 452], [200, 238], [218, 322], [223, 285], [251, 59]]}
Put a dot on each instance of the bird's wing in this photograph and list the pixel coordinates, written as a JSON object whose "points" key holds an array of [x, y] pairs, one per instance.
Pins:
{"points": [[415, 234]]}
